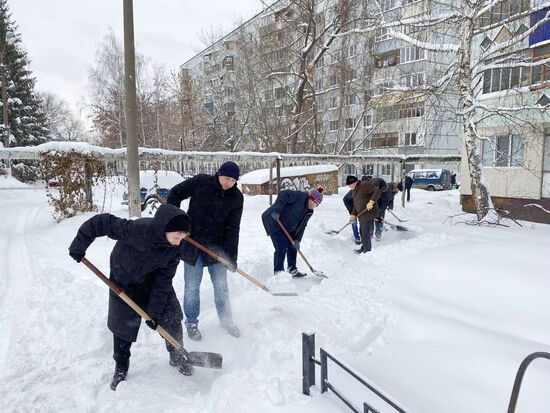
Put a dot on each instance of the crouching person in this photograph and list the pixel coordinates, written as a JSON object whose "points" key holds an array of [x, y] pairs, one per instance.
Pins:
{"points": [[293, 209], [143, 263]]}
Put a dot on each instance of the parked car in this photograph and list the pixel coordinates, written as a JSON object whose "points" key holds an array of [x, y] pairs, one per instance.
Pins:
{"points": [[431, 179], [154, 186]]}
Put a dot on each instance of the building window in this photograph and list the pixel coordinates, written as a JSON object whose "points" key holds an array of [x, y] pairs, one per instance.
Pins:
{"points": [[332, 80], [368, 169], [503, 10], [367, 120], [503, 151], [318, 84], [333, 102], [385, 169], [411, 54], [333, 125], [387, 60], [387, 4], [495, 80], [320, 62], [385, 140], [403, 111], [279, 93], [268, 94], [228, 63], [410, 138], [350, 99], [412, 80], [540, 74], [350, 123]]}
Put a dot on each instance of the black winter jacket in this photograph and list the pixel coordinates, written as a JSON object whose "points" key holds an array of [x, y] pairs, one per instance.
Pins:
{"points": [[387, 196], [294, 213], [141, 260], [348, 201], [215, 214]]}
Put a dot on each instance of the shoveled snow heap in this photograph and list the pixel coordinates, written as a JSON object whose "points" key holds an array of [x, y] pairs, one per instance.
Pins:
{"points": [[439, 317]]}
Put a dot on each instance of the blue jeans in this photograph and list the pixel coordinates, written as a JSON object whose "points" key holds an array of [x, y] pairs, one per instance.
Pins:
{"points": [[355, 230], [283, 248], [192, 275]]}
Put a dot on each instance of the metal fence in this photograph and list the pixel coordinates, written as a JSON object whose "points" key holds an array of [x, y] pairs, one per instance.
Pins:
{"points": [[308, 377]]}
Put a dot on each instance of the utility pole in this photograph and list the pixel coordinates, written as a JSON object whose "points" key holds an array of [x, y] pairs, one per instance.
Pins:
{"points": [[132, 157]]}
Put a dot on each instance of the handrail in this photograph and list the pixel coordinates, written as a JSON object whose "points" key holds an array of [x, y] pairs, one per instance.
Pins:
{"points": [[519, 377], [308, 376]]}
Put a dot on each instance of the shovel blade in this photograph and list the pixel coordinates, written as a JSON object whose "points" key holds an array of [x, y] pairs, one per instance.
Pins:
{"points": [[332, 232], [205, 359], [319, 274], [285, 294]]}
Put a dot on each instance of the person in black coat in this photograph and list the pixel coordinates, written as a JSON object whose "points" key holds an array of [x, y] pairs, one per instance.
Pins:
{"points": [[293, 209], [143, 263], [348, 202], [215, 208], [385, 202], [408, 185]]}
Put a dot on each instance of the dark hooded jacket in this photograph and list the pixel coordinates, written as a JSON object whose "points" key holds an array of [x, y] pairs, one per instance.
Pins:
{"points": [[293, 213], [386, 197], [215, 213], [143, 264]]}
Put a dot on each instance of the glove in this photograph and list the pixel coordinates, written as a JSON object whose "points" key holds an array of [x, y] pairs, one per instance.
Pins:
{"points": [[151, 324], [352, 218], [77, 256], [231, 265], [379, 219], [297, 245], [370, 205], [275, 215]]}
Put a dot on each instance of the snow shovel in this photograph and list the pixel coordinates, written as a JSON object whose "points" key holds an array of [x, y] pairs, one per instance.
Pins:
{"points": [[195, 358], [238, 270], [334, 232], [393, 226], [316, 272], [396, 217]]}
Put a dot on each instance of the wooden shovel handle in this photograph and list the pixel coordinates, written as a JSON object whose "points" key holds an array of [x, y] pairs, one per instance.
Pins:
{"points": [[120, 292], [294, 242], [225, 262]]}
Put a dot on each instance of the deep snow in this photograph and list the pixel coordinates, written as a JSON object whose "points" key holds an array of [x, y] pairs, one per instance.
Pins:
{"points": [[439, 317]]}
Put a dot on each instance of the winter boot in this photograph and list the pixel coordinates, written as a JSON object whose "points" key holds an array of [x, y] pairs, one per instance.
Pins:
{"points": [[232, 330], [297, 274], [360, 251], [121, 370], [193, 332], [357, 242], [179, 360]]}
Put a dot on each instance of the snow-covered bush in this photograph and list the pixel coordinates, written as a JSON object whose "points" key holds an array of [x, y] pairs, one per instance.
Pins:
{"points": [[74, 174]]}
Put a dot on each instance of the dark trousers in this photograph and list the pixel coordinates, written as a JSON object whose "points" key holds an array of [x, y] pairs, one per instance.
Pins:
{"points": [[408, 191], [283, 248], [366, 234], [379, 224], [170, 321]]}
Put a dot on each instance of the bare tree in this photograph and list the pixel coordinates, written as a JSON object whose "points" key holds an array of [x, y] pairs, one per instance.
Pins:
{"points": [[61, 121]]}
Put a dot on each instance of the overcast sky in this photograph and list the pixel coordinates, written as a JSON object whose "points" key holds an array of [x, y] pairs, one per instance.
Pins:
{"points": [[61, 36]]}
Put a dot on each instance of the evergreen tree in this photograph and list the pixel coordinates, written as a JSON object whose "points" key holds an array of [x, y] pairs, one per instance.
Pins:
{"points": [[26, 120]]}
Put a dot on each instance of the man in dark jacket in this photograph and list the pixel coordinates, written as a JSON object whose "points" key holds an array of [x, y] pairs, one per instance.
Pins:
{"points": [[408, 185], [215, 208], [351, 183], [293, 209], [365, 196], [385, 202], [143, 263]]}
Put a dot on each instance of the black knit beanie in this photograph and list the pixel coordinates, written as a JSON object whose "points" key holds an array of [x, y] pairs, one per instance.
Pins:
{"points": [[178, 223]]}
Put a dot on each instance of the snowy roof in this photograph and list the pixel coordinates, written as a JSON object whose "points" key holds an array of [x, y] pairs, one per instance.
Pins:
{"points": [[261, 176]]}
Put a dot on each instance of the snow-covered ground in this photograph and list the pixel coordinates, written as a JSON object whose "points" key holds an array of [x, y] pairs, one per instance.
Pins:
{"points": [[439, 317]]}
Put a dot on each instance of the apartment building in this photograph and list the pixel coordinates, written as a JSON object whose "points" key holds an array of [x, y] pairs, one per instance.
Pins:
{"points": [[370, 92], [516, 146]]}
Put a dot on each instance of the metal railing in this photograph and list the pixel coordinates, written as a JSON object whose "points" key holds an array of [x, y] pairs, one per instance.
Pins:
{"points": [[519, 378], [308, 376]]}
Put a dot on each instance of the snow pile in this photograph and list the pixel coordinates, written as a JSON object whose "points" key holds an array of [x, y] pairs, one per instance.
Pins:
{"points": [[439, 317], [8, 181], [261, 176]]}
